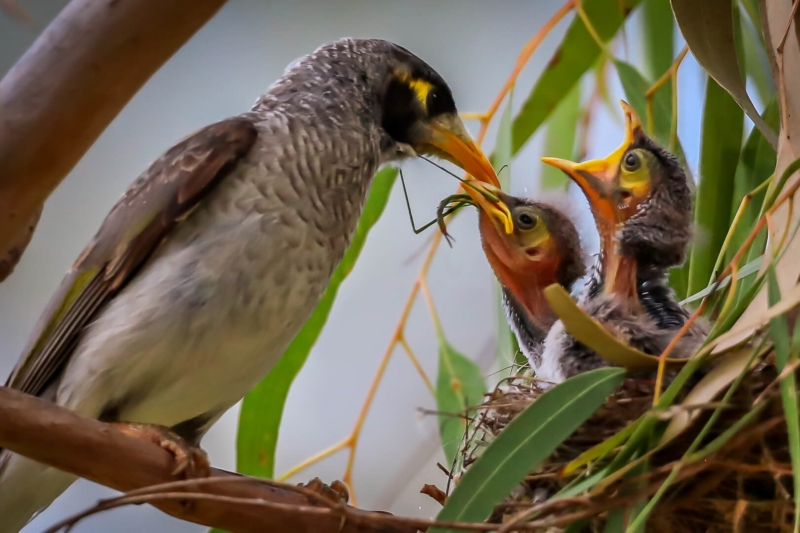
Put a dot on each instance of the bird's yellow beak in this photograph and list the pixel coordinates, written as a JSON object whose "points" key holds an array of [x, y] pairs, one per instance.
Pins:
{"points": [[597, 178], [487, 198], [452, 142]]}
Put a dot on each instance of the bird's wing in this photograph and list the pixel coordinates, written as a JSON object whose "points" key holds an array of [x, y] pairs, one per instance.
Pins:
{"points": [[159, 199]]}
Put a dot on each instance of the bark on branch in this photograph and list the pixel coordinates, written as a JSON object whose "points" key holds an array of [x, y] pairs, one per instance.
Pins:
{"points": [[87, 448], [67, 88]]}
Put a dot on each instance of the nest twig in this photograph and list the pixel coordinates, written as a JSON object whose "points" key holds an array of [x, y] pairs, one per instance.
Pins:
{"points": [[745, 486]]}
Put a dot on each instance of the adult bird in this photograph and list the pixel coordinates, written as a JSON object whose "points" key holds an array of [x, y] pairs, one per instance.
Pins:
{"points": [[216, 255], [541, 247], [640, 198]]}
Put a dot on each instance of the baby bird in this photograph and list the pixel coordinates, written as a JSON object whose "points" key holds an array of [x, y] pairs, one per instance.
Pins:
{"points": [[640, 199]]}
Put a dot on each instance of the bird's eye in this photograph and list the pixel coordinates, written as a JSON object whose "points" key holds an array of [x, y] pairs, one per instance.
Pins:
{"points": [[527, 221], [632, 162]]}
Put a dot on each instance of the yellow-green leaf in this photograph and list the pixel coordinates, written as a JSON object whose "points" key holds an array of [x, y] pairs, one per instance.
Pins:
{"points": [[726, 370], [591, 333], [459, 385]]}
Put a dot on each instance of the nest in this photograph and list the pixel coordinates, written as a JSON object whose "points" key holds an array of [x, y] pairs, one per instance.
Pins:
{"points": [[744, 486]]}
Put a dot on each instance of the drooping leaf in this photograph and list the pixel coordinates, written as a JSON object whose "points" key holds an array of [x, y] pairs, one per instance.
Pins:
{"points": [[783, 355], [560, 140], [708, 28], [529, 439], [262, 409], [459, 385], [591, 333], [723, 122], [575, 55]]}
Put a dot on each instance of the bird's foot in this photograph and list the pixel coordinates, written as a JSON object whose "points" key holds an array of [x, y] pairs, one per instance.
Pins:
{"points": [[190, 460], [336, 492]]}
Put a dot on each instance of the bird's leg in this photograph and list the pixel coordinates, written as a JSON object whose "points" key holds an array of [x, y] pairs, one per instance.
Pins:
{"points": [[190, 460], [336, 492]]}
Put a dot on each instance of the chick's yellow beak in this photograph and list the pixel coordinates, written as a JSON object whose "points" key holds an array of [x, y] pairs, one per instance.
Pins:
{"points": [[597, 178], [486, 197], [453, 143]]}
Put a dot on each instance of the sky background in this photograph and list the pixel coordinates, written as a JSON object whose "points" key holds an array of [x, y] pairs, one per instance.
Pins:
{"points": [[219, 73]]}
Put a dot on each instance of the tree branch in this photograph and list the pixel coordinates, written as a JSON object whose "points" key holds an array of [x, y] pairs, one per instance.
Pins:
{"points": [[67, 88], [96, 451]]}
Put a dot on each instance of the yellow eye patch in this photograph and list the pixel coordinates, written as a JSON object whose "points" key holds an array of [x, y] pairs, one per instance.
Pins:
{"points": [[420, 87], [535, 236]]}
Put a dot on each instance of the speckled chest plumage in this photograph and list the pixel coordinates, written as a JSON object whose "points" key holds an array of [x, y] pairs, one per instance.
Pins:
{"points": [[214, 309]]}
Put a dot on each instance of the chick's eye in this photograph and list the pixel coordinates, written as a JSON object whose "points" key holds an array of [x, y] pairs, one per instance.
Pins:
{"points": [[527, 221], [632, 162]]}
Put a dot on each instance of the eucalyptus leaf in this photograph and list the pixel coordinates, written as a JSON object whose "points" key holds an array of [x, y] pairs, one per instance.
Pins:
{"points": [[708, 28], [459, 385], [783, 354], [560, 140], [723, 123], [262, 409], [591, 333], [658, 28], [529, 439], [575, 55]]}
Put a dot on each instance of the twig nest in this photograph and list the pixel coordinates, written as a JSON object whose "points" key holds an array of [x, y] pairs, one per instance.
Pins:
{"points": [[745, 485]]}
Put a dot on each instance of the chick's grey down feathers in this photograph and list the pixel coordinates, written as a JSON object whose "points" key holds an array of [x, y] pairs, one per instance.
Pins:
{"points": [[656, 236], [214, 258]]}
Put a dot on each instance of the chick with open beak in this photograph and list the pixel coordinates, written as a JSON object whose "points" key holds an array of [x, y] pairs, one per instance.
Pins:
{"points": [[529, 245], [639, 196]]}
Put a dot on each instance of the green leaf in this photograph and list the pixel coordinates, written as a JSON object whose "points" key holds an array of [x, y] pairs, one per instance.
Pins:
{"points": [[756, 164], [576, 54], [262, 409], [756, 61], [708, 28], [560, 140], [722, 140], [591, 333], [507, 345], [746, 271], [713, 383], [529, 439], [783, 355], [502, 155], [658, 28], [602, 449], [460, 385]]}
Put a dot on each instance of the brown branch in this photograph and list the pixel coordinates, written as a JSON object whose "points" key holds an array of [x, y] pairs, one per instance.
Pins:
{"points": [[96, 451], [67, 88]]}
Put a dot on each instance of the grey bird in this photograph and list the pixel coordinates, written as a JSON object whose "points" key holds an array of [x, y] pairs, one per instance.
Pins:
{"points": [[642, 205], [210, 263]]}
